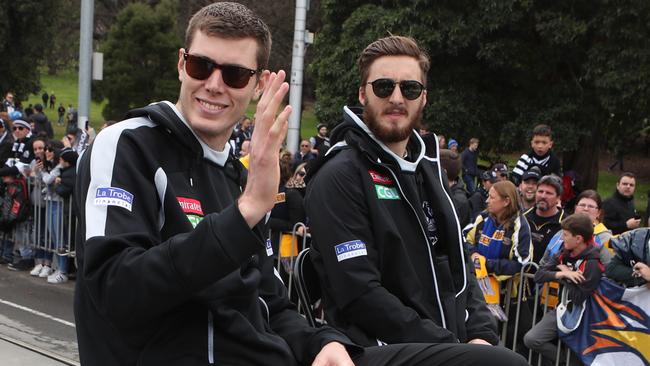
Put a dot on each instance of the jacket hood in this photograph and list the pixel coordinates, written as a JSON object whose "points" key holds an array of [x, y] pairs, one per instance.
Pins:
{"points": [[354, 132], [169, 117]]}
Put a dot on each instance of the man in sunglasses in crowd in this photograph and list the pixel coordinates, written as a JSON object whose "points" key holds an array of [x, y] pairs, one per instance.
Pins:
{"points": [[387, 243]]}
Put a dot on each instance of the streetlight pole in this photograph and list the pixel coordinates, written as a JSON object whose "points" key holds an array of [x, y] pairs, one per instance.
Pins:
{"points": [[297, 70], [85, 61]]}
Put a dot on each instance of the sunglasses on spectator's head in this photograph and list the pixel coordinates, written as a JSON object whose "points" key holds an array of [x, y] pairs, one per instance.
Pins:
{"points": [[19, 128], [383, 88], [201, 68]]}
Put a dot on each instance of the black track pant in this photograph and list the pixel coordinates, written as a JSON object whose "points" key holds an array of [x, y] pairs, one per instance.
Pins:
{"points": [[443, 354]]}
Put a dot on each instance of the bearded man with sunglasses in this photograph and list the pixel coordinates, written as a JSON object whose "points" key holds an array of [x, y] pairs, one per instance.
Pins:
{"points": [[386, 240]]}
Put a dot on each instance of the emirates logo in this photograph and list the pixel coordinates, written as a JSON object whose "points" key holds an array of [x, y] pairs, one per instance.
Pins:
{"points": [[190, 205]]}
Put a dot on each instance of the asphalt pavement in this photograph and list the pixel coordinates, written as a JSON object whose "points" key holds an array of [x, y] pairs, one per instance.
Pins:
{"points": [[38, 315]]}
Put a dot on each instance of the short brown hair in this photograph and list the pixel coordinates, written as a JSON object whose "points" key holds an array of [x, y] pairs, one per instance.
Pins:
{"points": [[592, 195], [543, 130], [392, 46], [626, 174], [507, 189], [579, 224], [473, 140], [231, 21]]}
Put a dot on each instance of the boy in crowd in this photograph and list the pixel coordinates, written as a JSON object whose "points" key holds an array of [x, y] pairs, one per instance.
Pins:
{"points": [[579, 269], [540, 155]]}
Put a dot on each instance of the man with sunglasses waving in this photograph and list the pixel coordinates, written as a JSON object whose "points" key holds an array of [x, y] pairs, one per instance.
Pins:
{"points": [[386, 240], [173, 268]]}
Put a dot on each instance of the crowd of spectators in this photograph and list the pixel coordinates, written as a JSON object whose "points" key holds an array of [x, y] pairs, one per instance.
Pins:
{"points": [[511, 218], [38, 177]]}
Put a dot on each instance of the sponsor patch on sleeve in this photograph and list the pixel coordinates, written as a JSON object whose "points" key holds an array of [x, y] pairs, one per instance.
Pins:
{"points": [[350, 249], [112, 196], [269, 248]]}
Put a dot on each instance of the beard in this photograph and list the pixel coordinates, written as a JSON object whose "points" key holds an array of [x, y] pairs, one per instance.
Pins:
{"points": [[542, 205], [391, 133]]}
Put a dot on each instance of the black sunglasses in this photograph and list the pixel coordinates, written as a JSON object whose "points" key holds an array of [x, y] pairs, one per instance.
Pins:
{"points": [[301, 173], [201, 68], [20, 128], [411, 89]]}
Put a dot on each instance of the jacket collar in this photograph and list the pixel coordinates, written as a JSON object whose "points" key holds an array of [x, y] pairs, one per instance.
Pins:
{"points": [[623, 198], [218, 157], [415, 141]]}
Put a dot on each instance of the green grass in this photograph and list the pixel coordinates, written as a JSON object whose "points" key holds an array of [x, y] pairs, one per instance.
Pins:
{"points": [[65, 86]]}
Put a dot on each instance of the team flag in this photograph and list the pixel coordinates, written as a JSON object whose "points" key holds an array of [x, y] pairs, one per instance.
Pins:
{"points": [[615, 327]]}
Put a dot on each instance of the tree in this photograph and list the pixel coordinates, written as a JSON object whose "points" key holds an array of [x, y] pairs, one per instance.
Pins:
{"points": [[500, 67], [140, 53], [63, 41], [25, 29]]}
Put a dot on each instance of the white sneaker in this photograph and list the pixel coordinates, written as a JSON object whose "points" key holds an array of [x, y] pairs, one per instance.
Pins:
{"points": [[57, 277], [36, 270], [46, 271]]}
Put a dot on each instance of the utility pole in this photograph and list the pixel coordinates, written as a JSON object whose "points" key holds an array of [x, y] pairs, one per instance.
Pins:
{"points": [[297, 69], [85, 61]]}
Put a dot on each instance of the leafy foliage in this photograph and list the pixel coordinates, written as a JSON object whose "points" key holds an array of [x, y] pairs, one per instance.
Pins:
{"points": [[140, 56], [500, 67], [25, 32]]}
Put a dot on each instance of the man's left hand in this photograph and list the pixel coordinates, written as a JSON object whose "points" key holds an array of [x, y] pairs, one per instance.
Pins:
{"points": [[333, 354], [479, 341]]}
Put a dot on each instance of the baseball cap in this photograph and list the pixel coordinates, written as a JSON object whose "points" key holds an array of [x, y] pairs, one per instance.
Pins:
{"points": [[532, 173], [500, 168], [489, 175]]}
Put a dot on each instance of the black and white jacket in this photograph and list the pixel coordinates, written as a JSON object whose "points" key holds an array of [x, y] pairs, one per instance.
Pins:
{"points": [[169, 271], [385, 278]]}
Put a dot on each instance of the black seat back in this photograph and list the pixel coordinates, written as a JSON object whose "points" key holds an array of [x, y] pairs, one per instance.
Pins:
{"points": [[307, 285]]}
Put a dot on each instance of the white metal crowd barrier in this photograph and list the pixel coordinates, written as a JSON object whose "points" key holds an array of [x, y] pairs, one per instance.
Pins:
{"points": [[50, 226]]}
